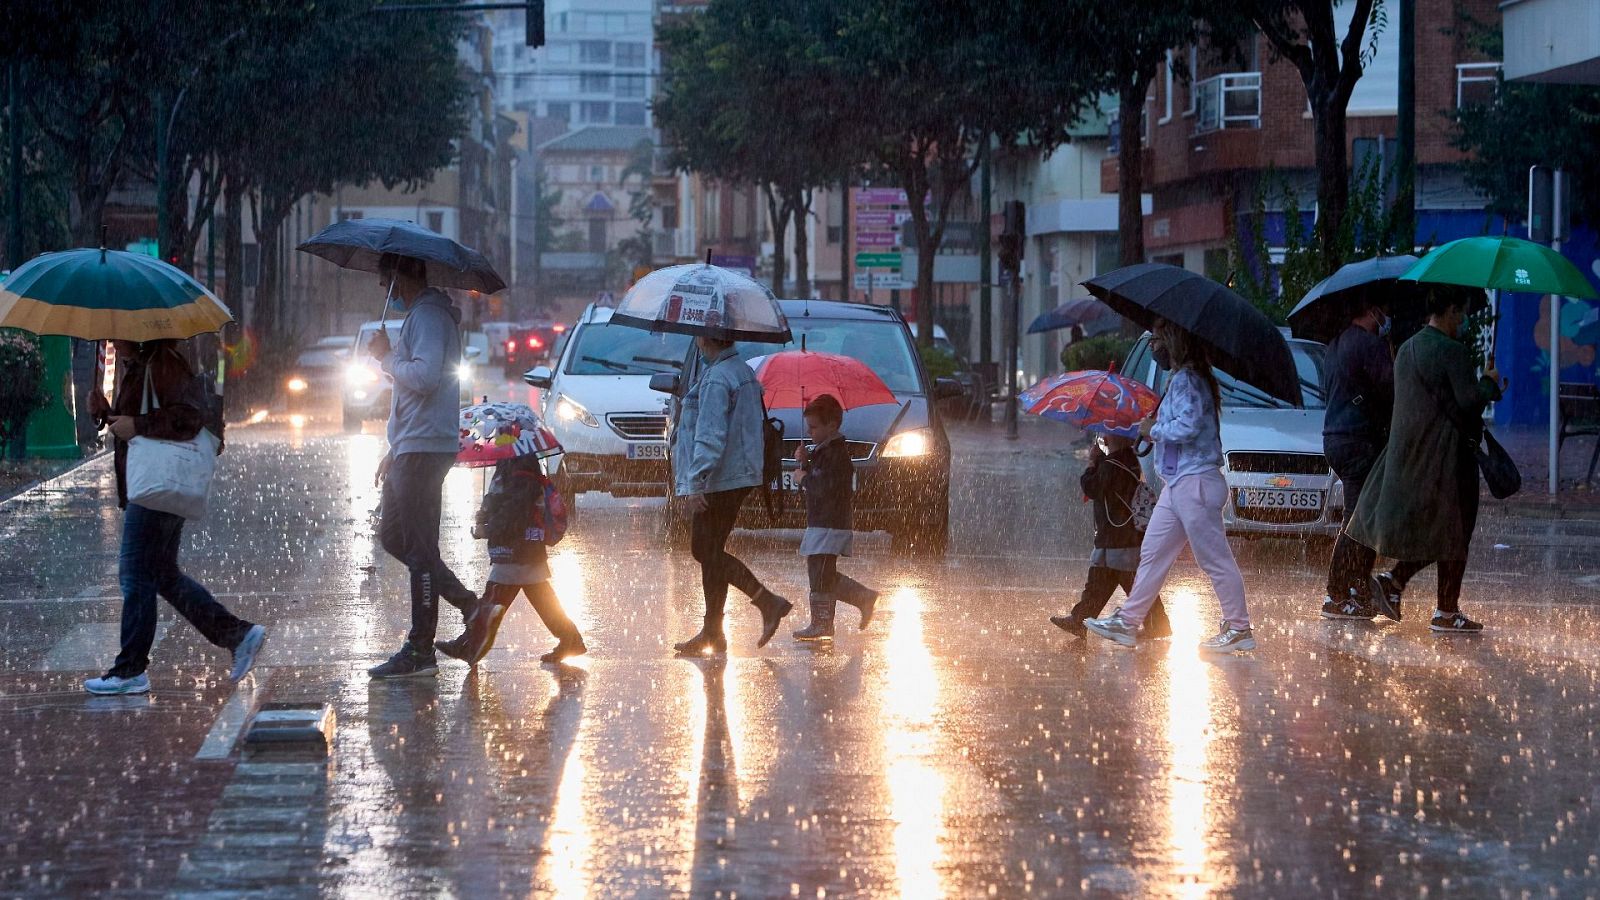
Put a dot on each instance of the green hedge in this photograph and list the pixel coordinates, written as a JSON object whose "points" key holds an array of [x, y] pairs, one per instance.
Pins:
{"points": [[1099, 352]]}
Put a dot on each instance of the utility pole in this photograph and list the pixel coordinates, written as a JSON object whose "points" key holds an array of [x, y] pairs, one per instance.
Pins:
{"points": [[1012, 238], [1405, 163], [985, 264], [845, 276]]}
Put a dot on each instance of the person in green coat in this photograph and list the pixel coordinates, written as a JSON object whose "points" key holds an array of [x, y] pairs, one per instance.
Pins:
{"points": [[1420, 504]]}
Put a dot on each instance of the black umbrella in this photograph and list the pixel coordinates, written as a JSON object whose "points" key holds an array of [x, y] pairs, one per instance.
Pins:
{"points": [[1091, 315], [359, 244], [1326, 310], [1241, 340]]}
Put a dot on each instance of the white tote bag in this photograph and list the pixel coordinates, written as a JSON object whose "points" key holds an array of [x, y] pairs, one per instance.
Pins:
{"points": [[170, 476]]}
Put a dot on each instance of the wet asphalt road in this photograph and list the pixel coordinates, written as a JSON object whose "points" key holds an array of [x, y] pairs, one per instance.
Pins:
{"points": [[960, 747]]}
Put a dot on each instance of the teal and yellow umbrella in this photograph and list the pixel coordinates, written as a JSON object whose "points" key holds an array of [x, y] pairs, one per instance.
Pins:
{"points": [[103, 294]]}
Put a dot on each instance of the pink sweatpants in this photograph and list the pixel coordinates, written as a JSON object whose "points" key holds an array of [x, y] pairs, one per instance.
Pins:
{"points": [[1188, 512]]}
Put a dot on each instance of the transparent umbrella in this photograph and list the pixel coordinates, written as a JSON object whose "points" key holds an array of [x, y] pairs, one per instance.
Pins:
{"points": [[702, 299]]}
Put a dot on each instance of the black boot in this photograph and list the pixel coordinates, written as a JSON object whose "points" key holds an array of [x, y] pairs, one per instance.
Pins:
{"points": [[821, 627], [773, 608], [858, 595], [709, 642], [570, 645]]}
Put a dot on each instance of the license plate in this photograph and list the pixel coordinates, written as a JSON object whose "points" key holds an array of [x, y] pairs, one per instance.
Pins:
{"points": [[647, 451], [1269, 498], [791, 480]]}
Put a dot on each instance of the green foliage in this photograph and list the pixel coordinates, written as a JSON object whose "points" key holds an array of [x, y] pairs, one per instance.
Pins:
{"points": [[939, 362], [22, 390], [1099, 352]]}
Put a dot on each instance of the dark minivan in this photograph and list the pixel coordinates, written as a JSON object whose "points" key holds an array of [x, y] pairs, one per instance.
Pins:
{"points": [[901, 452]]}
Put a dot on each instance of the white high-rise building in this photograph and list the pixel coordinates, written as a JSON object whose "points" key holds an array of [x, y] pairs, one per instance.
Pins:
{"points": [[597, 66]]}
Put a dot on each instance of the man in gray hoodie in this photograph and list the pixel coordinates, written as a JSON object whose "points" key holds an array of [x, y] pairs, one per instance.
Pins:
{"points": [[423, 440]]}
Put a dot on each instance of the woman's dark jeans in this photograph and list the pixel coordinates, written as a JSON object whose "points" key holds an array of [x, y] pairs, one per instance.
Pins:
{"points": [[708, 534], [149, 566]]}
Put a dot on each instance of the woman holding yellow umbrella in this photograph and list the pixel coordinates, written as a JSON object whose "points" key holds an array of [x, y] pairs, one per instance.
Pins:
{"points": [[167, 432]]}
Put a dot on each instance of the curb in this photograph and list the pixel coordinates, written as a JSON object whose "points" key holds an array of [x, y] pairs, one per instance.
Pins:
{"points": [[56, 477]]}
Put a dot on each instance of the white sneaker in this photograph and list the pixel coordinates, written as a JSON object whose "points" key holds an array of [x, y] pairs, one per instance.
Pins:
{"points": [[107, 685], [244, 655]]}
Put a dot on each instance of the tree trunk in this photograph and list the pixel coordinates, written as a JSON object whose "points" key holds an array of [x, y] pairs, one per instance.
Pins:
{"points": [[233, 244], [778, 211], [1130, 171], [800, 202], [1333, 180], [914, 176], [269, 304]]}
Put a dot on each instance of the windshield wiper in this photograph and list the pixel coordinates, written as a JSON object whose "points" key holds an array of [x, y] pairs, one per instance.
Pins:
{"points": [[1315, 389], [1262, 398], [675, 363], [611, 364]]}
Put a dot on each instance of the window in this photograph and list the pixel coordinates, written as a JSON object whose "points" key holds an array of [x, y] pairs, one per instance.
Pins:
{"points": [[562, 111], [558, 53], [594, 51], [436, 221], [1166, 91], [597, 173], [630, 114], [1194, 75], [595, 82], [1378, 90], [597, 235], [630, 55], [591, 111], [1477, 84], [561, 21], [669, 216], [630, 85], [349, 214]]}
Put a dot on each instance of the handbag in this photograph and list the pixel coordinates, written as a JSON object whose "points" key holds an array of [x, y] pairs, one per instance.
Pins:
{"points": [[170, 476], [1499, 470], [1140, 508]]}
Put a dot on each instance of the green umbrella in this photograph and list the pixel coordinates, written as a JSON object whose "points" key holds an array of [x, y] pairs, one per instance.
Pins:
{"points": [[1503, 263], [108, 295]]}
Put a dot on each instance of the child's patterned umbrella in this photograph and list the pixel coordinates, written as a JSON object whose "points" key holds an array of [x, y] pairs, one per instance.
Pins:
{"points": [[495, 432], [1096, 401]]}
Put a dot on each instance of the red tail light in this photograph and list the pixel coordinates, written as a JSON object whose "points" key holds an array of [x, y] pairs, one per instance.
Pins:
{"points": [[511, 345], [534, 343]]}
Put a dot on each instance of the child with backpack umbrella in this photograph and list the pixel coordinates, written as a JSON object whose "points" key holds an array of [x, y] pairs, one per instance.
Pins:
{"points": [[522, 513]]}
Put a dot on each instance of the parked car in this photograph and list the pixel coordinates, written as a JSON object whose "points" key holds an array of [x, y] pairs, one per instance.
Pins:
{"points": [[1279, 481], [526, 347], [597, 400], [498, 333], [957, 405], [367, 388], [901, 452], [318, 372]]}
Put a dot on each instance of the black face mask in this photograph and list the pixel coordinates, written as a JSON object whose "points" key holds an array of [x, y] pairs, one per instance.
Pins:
{"points": [[1163, 356]]}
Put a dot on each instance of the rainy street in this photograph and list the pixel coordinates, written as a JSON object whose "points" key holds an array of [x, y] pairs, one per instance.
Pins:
{"points": [[962, 746]]}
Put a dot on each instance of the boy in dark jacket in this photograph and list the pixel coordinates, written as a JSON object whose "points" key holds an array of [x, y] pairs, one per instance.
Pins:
{"points": [[512, 521], [1109, 483], [827, 475]]}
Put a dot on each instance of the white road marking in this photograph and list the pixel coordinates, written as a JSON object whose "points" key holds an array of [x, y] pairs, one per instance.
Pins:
{"points": [[233, 715]]}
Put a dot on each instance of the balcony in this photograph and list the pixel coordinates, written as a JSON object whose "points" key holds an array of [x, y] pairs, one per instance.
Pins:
{"points": [[1227, 101], [664, 242]]}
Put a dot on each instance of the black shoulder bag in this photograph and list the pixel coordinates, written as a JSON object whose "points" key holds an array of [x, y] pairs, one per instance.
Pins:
{"points": [[1499, 470]]}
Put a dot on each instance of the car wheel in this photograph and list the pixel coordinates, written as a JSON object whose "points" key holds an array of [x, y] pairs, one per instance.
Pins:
{"points": [[352, 422]]}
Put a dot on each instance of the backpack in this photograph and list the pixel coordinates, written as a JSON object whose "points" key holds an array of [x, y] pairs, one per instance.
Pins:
{"points": [[771, 462], [549, 514]]}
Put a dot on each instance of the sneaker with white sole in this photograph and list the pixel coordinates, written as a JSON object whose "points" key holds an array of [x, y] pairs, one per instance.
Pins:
{"points": [[244, 655], [1351, 608], [1453, 623], [1112, 628], [1229, 640], [1386, 595], [406, 663], [112, 685]]}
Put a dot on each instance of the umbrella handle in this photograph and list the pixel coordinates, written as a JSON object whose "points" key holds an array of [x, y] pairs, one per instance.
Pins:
{"points": [[1142, 446]]}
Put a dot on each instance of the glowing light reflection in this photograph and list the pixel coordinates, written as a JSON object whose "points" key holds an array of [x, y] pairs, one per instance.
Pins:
{"points": [[571, 843], [916, 787], [1189, 739]]}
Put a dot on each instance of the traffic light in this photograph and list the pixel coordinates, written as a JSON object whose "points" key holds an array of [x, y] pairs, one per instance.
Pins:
{"points": [[534, 35]]}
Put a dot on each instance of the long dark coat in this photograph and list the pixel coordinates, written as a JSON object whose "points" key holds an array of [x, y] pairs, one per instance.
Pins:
{"points": [[1421, 501]]}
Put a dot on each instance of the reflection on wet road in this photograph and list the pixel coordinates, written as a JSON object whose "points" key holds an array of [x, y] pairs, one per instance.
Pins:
{"points": [[960, 747]]}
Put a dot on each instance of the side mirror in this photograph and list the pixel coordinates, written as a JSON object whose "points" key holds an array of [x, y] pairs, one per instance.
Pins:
{"points": [[664, 382], [472, 354], [539, 376], [947, 388]]}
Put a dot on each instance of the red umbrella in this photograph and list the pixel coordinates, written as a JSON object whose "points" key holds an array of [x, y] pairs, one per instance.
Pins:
{"points": [[793, 378]]}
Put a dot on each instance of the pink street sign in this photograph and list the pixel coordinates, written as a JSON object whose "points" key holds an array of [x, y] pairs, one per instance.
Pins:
{"points": [[877, 239], [877, 221]]}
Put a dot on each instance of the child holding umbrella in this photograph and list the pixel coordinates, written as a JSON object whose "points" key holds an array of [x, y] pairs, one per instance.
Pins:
{"points": [[826, 476]]}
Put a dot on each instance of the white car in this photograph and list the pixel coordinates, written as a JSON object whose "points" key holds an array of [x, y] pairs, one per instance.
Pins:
{"points": [[367, 388], [1279, 481], [597, 400]]}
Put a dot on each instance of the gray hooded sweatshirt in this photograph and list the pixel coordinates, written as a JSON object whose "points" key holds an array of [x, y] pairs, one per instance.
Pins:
{"points": [[424, 363]]}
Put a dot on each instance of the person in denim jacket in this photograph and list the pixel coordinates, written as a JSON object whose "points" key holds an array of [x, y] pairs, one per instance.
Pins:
{"points": [[716, 458]]}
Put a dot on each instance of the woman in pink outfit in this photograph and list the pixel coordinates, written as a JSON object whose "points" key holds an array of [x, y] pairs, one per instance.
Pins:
{"points": [[1188, 455]]}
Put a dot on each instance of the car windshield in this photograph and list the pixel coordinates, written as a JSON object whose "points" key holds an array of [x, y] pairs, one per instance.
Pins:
{"points": [[883, 345], [320, 357], [1308, 365], [605, 349]]}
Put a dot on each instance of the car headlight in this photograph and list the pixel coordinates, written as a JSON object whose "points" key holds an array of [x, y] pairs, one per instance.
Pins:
{"points": [[296, 384], [569, 411], [916, 442], [357, 374], [464, 371]]}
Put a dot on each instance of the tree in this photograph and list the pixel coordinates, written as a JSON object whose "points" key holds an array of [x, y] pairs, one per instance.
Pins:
{"points": [[639, 250], [1304, 33], [932, 81]]}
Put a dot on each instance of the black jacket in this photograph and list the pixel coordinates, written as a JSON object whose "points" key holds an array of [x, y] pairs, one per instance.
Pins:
{"points": [[1109, 483], [829, 485], [510, 512], [1358, 379]]}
